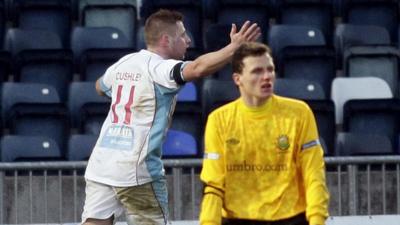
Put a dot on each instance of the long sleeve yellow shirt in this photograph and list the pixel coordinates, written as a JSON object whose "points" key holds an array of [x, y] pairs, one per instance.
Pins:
{"points": [[263, 163]]}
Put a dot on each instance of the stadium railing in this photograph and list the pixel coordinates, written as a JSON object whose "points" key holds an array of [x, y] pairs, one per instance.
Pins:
{"points": [[53, 192]]}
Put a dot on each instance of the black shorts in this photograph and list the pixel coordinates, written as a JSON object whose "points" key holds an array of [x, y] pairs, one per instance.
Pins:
{"points": [[295, 220]]}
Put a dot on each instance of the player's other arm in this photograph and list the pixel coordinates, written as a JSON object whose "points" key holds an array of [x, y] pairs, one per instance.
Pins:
{"points": [[213, 174], [101, 88], [313, 170], [210, 63]]}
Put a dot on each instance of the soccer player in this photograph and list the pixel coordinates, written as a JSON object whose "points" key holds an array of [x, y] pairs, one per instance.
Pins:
{"points": [[125, 171], [263, 162]]}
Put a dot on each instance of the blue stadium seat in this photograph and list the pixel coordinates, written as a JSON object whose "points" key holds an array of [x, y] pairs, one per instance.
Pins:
{"points": [[361, 144], [88, 110], [299, 88], [319, 14], [238, 11], [373, 116], [29, 148], [313, 63], [191, 9], [101, 41], [80, 147], [35, 110], [373, 12], [374, 61], [179, 144], [38, 57], [52, 15], [120, 14], [350, 35], [282, 36]]}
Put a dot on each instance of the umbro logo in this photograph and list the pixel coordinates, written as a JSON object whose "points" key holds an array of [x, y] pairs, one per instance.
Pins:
{"points": [[232, 141]]}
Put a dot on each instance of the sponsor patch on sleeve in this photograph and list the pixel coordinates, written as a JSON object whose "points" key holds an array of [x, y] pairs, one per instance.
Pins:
{"points": [[310, 144], [211, 155]]}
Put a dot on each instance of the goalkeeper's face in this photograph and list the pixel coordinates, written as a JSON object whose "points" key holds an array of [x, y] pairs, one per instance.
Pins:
{"points": [[256, 81]]}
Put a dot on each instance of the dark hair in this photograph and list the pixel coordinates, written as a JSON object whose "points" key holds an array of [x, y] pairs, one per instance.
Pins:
{"points": [[245, 50], [161, 21]]}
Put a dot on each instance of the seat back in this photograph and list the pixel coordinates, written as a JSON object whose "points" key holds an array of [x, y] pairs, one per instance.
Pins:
{"points": [[50, 15], [80, 147], [372, 12], [299, 88], [347, 88], [120, 14], [319, 14], [88, 110], [179, 144], [374, 61], [313, 63], [29, 148]]}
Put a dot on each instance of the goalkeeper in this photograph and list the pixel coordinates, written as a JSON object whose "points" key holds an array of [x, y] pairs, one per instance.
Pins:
{"points": [[263, 162]]}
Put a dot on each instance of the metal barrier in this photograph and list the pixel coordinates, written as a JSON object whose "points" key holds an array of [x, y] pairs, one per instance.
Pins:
{"points": [[53, 192]]}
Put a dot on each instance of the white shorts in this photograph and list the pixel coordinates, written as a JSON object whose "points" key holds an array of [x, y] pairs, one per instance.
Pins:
{"points": [[145, 204]]}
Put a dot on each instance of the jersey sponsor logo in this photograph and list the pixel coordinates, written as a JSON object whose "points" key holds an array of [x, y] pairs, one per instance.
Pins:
{"points": [[250, 167], [232, 141], [118, 137], [283, 142]]}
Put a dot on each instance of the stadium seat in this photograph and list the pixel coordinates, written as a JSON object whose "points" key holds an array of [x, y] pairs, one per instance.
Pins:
{"points": [[313, 63], [94, 63], [38, 57], [29, 148], [281, 36], [191, 9], [100, 41], [120, 14], [374, 61], [35, 110], [324, 113], [80, 147], [347, 88], [299, 88], [51, 15], [373, 116], [350, 35], [179, 144], [238, 11], [373, 12], [88, 110], [361, 144], [216, 93], [319, 14]]}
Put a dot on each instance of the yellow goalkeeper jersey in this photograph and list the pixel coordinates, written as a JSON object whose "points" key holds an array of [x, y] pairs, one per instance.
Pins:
{"points": [[263, 163]]}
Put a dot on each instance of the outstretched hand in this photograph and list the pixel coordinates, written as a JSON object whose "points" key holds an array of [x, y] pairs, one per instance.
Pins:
{"points": [[248, 32]]}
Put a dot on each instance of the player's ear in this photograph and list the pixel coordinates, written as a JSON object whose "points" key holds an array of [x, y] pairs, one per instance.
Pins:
{"points": [[236, 78], [165, 39]]}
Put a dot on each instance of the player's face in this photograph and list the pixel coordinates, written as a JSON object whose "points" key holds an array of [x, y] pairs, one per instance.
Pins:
{"points": [[257, 79], [179, 42]]}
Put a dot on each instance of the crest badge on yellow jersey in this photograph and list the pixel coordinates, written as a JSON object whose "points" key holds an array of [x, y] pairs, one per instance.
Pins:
{"points": [[283, 142]]}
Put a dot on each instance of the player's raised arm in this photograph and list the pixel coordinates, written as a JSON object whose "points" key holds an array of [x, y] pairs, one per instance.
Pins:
{"points": [[210, 63]]}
